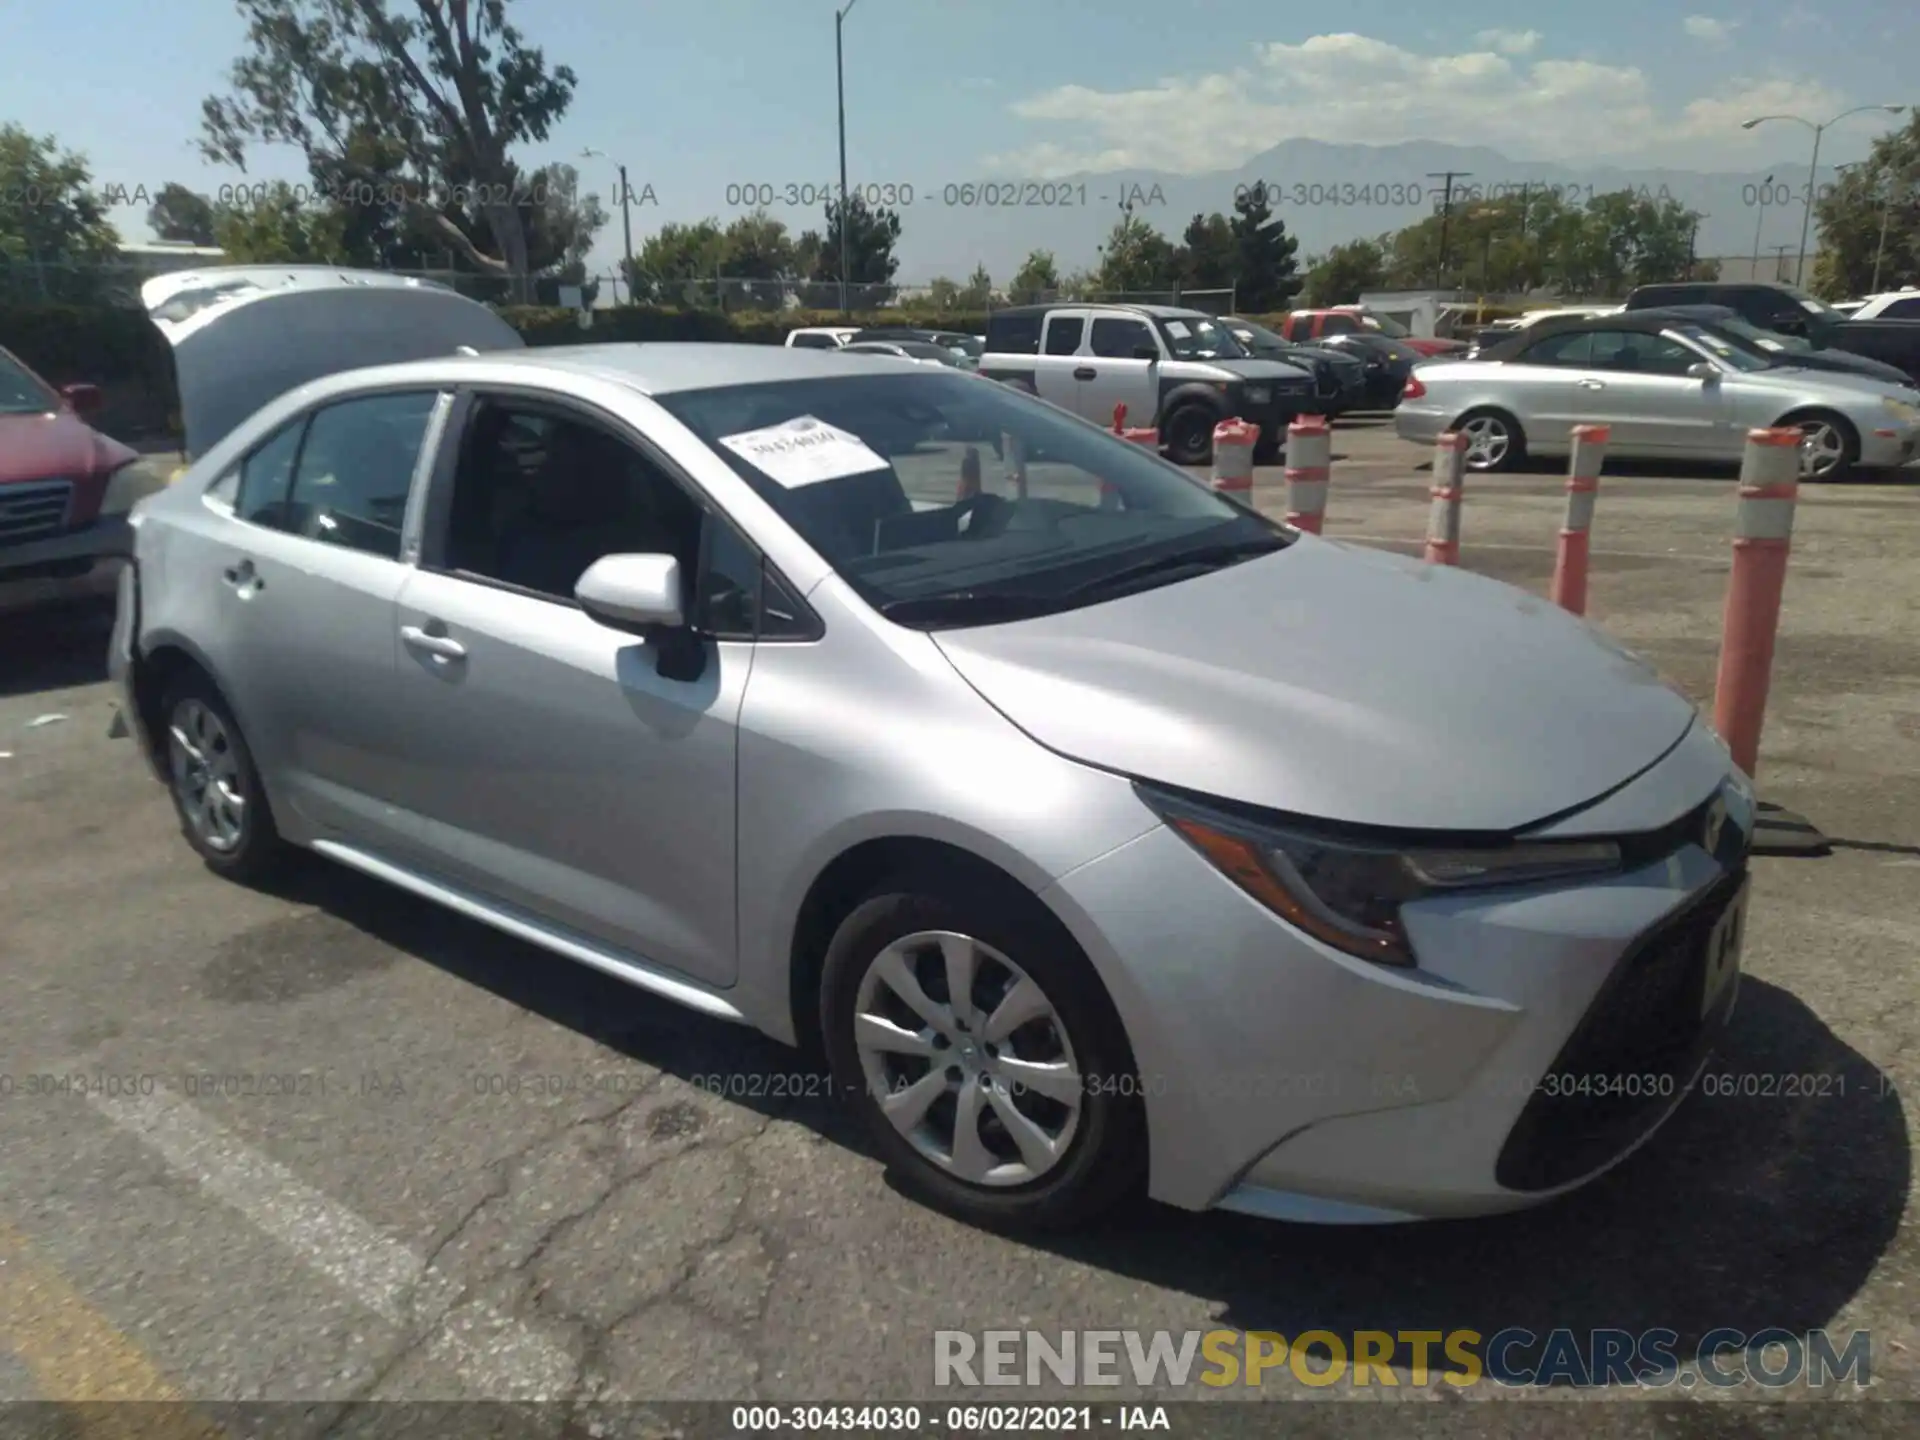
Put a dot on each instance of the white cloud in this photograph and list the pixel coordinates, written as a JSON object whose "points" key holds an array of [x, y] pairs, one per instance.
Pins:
{"points": [[1705, 27], [1353, 89], [1509, 42]]}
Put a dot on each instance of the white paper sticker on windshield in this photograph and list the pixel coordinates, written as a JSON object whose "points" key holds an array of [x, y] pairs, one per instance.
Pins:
{"points": [[803, 451], [1178, 329]]}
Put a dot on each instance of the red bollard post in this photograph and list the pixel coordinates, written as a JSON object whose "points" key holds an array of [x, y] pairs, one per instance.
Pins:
{"points": [[1233, 442], [1570, 559], [1448, 489], [1120, 417], [1309, 471], [969, 473], [1762, 536]]}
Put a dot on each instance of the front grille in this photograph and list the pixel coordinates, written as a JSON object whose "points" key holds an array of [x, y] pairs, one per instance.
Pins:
{"points": [[1630, 1057], [34, 511]]}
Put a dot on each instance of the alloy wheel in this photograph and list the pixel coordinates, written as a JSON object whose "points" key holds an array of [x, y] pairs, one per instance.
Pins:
{"points": [[1822, 449], [967, 1058], [1487, 441], [206, 776]]}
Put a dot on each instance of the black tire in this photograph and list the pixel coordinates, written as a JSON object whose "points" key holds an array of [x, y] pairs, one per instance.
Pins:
{"points": [[1188, 434], [1514, 453], [260, 852], [1105, 1160], [1809, 422], [1268, 449]]}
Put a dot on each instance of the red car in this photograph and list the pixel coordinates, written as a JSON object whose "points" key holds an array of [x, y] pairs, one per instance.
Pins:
{"points": [[1310, 325], [54, 471]]}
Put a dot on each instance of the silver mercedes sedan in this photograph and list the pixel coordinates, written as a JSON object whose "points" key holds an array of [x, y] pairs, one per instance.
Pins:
{"points": [[1666, 389], [1099, 834]]}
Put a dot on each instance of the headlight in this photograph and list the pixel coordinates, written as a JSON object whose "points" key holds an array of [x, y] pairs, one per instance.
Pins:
{"points": [[1900, 409], [1348, 893], [1258, 394]]}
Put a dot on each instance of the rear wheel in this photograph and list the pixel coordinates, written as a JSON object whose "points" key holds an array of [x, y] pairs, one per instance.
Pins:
{"points": [[1829, 445], [215, 788], [983, 1055], [1494, 440]]}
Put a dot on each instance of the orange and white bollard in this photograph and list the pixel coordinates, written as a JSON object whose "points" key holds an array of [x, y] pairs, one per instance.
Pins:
{"points": [[1233, 442], [1448, 489], [1013, 455], [1570, 558], [969, 474], [1762, 535], [1309, 469], [1120, 418]]}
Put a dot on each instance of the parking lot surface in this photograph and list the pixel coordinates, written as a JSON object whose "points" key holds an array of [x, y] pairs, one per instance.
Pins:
{"points": [[330, 1143]]}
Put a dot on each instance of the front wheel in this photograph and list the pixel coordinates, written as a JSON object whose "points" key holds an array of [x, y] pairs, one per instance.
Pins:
{"points": [[983, 1056], [1829, 446], [1188, 435]]}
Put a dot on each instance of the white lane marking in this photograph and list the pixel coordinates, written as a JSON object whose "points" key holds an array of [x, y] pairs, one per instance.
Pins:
{"points": [[497, 1354]]}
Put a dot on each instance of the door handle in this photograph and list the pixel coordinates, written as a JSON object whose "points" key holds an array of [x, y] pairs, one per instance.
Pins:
{"points": [[243, 577], [440, 647], [1593, 384], [1085, 372]]}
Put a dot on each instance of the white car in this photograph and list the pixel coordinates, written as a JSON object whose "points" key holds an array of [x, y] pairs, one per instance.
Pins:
{"points": [[1893, 305], [821, 337]]}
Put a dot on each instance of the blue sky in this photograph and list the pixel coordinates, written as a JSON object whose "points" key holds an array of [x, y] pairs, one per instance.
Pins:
{"points": [[694, 97]]}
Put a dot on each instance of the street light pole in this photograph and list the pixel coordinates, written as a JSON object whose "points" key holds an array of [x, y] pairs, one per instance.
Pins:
{"points": [[840, 88], [1759, 220], [1813, 170], [626, 219]]}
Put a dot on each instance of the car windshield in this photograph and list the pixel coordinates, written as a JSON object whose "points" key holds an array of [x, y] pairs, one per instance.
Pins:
{"points": [[20, 392], [921, 350], [1765, 339], [1722, 349], [1817, 308], [1385, 325], [1189, 338], [902, 483]]}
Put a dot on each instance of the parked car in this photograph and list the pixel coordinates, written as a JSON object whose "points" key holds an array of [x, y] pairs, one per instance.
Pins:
{"points": [[55, 544], [1339, 381], [1178, 371], [968, 347], [1787, 311], [918, 351], [1319, 325], [1386, 365], [1666, 389], [821, 337], [1787, 351], [1890, 305], [1085, 874]]}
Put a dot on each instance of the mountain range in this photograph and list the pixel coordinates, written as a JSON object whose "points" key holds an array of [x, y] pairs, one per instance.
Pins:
{"points": [[1327, 194]]}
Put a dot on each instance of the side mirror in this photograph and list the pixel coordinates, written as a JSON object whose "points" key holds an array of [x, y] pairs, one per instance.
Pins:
{"points": [[1145, 352], [1701, 370], [633, 592], [84, 399]]}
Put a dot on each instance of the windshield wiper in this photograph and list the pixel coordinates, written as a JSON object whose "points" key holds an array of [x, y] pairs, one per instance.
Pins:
{"points": [[968, 607], [1205, 557]]}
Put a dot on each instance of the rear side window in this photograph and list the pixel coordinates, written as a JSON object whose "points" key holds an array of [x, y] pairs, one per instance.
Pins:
{"points": [[1013, 334], [1337, 324], [267, 474], [356, 470], [1902, 310], [814, 342], [1063, 334]]}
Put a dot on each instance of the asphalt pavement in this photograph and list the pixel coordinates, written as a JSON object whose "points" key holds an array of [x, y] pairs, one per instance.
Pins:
{"points": [[328, 1143]]}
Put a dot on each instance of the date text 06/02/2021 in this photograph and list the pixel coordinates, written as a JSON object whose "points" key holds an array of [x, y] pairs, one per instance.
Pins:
{"points": [[951, 195], [1407, 194], [950, 1419]]}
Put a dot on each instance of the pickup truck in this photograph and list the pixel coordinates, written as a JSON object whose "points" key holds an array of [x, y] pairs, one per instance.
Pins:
{"points": [[1311, 326], [1787, 311]]}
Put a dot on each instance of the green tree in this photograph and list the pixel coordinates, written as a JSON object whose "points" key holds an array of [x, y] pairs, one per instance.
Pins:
{"points": [[1340, 276], [1268, 273], [280, 226], [872, 234], [678, 264], [977, 294], [453, 86], [181, 215], [1873, 214], [943, 293], [1036, 279], [757, 249], [1135, 257], [1209, 257], [49, 209]]}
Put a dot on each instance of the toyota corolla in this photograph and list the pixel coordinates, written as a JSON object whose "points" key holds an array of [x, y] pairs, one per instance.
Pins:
{"points": [[1102, 833]]}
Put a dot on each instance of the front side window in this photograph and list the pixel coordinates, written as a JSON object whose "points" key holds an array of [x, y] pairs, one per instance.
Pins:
{"points": [[1063, 334], [1638, 352], [1115, 338], [355, 471], [20, 392], [1335, 323], [931, 488]]}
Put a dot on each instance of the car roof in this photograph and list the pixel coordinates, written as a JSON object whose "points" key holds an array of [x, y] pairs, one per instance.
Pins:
{"points": [[1164, 312], [656, 367], [1645, 322]]}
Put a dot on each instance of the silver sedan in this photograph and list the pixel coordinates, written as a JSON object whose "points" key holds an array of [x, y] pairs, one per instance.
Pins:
{"points": [[1101, 833], [1672, 392]]}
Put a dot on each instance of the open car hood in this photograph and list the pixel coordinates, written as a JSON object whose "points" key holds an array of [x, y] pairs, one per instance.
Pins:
{"points": [[244, 335]]}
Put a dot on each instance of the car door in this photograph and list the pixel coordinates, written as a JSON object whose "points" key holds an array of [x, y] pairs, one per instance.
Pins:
{"points": [[563, 767], [1113, 374], [1636, 384], [1057, 372], [303, 572]]}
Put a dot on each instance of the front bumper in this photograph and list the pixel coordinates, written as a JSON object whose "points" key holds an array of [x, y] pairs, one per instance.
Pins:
{"points": [[77, 564], [1286, 1079], [1888, 447]]}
